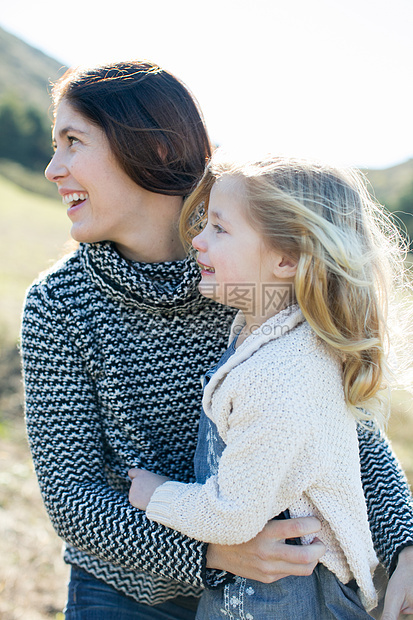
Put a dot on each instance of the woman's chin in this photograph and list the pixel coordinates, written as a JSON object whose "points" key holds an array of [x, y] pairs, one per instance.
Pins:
{"points": [[82, 235]]}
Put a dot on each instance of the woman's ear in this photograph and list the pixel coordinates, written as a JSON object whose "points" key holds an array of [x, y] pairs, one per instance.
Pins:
{"points": [[284, 267]]}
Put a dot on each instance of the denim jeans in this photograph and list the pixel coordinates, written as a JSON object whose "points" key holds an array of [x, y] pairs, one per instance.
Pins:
{"points": [[92, 599], [320, 596]]}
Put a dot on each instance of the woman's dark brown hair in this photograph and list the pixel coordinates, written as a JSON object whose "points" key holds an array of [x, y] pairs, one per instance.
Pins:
{"points": [[154, 126]]}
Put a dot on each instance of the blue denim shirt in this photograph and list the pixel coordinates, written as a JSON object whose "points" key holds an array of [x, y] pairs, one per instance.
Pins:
{"points": [[210, 445]]}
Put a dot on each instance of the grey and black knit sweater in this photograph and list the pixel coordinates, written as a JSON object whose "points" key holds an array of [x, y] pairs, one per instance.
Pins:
{"points": [[113, 353]]}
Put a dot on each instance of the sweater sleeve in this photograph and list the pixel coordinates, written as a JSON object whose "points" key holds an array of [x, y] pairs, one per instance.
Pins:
{"points": [[388, 497], [66, 436], [236, 503]]}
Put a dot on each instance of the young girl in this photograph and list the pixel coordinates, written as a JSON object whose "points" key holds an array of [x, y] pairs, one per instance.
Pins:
{"points": [[299, 249]]}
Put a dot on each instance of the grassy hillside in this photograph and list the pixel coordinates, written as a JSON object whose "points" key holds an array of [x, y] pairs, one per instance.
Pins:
{"points": [[33, 232], [33, 182], [390, 183], [26, 71]]}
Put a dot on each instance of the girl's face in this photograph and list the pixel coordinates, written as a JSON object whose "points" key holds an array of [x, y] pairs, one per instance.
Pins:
{"points": [[237, 268], [103, 202]]}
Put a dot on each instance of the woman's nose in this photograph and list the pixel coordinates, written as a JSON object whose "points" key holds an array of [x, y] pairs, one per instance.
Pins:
{"points": [[55, 170]]}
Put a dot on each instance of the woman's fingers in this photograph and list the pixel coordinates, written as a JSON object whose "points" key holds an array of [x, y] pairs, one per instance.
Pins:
{"points": [[268, 557]]}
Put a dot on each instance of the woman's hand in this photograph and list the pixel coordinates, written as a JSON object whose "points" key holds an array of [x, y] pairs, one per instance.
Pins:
{"points": [[399, 592], [143, 486], [267, 557]]}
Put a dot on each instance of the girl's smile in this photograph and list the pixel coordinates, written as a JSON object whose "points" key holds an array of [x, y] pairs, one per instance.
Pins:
{"points": [[205, 270]]}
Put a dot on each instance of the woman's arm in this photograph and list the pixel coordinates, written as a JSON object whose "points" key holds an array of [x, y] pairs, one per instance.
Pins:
{"points": [[388, 497], [390, 512], [399, 592], [66, 435]]}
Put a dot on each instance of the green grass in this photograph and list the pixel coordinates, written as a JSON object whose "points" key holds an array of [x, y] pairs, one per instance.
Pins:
{"points": [[33, 232], [34, 182], [391, 183]]}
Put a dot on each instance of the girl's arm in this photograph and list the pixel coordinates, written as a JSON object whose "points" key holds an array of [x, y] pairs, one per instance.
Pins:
{"points": [[253, 482]]}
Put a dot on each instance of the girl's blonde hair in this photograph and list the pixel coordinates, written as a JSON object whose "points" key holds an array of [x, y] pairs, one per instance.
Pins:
{"points": [[348, 253]]}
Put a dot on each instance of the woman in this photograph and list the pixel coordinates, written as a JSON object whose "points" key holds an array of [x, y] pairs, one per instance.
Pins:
{"points": [[111, 378]]}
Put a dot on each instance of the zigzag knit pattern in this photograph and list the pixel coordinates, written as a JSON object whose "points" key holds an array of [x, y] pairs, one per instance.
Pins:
{"points": [[113, 353], [388, 497]]}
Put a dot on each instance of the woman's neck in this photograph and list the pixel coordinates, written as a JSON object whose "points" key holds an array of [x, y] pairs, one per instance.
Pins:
{"points": [[156, 237], [160, 250]]}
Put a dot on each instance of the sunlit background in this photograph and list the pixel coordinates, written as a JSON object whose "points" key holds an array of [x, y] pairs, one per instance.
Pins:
{"points": [[330, 79]]}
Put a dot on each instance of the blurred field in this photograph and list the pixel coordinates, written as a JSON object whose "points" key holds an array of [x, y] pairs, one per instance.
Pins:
{"points": [[33, 233], [33, 576]]}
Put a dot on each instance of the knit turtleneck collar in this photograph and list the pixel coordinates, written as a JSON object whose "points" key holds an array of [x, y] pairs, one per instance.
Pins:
{"points": [[159, 286]]}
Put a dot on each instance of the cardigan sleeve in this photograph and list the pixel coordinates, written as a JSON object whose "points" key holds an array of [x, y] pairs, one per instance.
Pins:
{"points": [[236, 503], [67, 442], [388, 497]]}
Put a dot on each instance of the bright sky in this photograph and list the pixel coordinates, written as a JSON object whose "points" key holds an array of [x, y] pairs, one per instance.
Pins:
{"points": [[331, 79]]}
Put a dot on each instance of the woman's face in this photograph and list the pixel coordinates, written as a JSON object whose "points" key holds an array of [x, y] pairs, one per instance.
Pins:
{"points": [[103, 203]]}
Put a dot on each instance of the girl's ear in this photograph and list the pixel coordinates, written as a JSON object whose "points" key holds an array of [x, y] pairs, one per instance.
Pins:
{"points": [[284, 267]]}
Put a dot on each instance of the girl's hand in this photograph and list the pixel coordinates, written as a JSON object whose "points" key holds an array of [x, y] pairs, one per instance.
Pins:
{"points": [[267, 557], [399, 592], [143, 486]]}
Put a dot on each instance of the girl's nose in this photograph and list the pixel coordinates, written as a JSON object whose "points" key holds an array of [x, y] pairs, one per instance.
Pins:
{"points": [[55, 170], [199, 242]]}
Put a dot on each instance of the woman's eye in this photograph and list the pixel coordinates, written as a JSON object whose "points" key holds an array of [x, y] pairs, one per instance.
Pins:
{"points": [[72, 140]]}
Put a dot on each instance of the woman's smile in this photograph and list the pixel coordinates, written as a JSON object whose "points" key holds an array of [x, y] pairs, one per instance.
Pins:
{"points": [[73, 199]]}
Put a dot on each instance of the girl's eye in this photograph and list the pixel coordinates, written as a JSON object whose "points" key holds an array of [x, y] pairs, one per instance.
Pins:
{"points": [[218, 228]]}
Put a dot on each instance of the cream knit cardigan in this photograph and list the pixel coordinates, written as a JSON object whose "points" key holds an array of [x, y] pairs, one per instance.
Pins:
{"points": [[291, 443]]}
